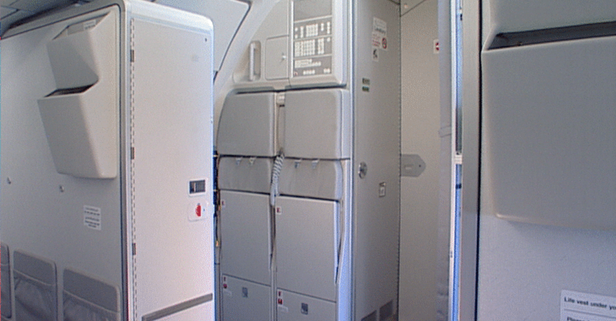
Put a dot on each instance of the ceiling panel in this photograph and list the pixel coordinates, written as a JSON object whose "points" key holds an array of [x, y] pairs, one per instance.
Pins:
{"points": [[38, 5], [16, 10], [5, 11]]}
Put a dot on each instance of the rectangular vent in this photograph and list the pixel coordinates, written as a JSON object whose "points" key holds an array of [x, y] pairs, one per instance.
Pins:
{"points": [[386, 311], [370, 317], [533, 37]]}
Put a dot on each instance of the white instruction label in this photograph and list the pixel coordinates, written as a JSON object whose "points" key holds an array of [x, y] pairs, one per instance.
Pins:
{"points": [[92, 217], [578, 306], [379, 38]]}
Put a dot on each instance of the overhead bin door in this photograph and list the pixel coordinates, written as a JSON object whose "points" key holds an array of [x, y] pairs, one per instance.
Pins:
{"points": [[550, 143]]}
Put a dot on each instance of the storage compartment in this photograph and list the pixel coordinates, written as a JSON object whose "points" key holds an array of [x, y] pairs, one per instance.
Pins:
{"points": [[313, 178], [243, 300], [249, 126], [307, 243], [292, 306], [277, 58], [35, 288], [86, 298], [317, 124], [250, 174], [81, 116], [509, 15], [550, 142], [245, 236]]}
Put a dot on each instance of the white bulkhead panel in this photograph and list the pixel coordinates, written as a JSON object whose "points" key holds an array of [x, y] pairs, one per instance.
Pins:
{"points": [[227, 16], [67, 222], [171, 168]]}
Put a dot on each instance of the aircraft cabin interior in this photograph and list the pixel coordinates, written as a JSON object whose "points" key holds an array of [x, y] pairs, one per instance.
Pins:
{"points": [[307, 160]]}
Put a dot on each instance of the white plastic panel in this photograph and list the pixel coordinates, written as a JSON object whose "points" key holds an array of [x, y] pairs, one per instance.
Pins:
{"points": [[245, 301], [248, 125], [292, 306], [509, 15], [227, 16], [248, 72], [245, 236], [316, 45], [250, 174], [306, 246], [172, 141], [54, 212], [313, 178], [317, 124], [81, 116], [549, 132]]}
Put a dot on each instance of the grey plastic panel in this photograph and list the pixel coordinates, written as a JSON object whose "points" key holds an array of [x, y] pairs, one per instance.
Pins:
{"points": [[245, 301], [529, 15], [549, 133], [245, 174], [5, 273], [276, 58], [312, 178], [306, 243], [245, 236], [300, 307], [86, 297], [248, 126], [35, 288], [317, 124]]}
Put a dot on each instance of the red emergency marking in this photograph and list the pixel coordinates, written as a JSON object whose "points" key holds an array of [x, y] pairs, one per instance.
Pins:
{"points": [[280, 301], [198, 210]]}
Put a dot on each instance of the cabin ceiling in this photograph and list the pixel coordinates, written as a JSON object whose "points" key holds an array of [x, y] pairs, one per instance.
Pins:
{"points": [[14, 11]]}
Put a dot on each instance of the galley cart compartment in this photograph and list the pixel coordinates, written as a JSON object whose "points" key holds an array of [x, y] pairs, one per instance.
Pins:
{"points": [[245, 300], [292, 306], [307, 246], [245, 236]]}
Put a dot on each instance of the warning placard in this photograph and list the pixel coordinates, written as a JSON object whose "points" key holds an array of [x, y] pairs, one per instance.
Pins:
{"points": [[92, 217], [578, 306], [379, 37]]}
